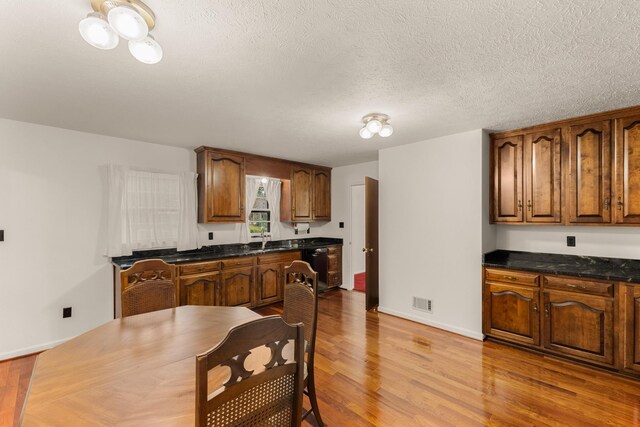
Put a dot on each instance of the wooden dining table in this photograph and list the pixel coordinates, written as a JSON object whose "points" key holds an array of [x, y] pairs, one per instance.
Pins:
{"points": [[134, 371]]}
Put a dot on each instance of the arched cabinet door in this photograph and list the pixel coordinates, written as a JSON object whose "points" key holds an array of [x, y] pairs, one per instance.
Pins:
{"points": [[301, 194], [322, 195], [237, 287], [626, 203], [590, 173], [512, 313], [542, 177], [221, 187], [269, 284], [579, 325], [200, 290], [507, 180]]}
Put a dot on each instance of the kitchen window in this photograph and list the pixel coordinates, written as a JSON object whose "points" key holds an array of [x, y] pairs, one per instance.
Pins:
{"points": [[260, 217]]}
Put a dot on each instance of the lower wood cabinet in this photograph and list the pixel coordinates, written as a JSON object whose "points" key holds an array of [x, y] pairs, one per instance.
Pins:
{"points": [[511, 313], [579, 325], [270, 283], [200, 290], [237, 287], [594, 321], [630, 315]]}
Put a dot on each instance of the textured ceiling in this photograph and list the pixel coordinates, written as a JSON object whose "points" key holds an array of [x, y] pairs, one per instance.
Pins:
{"points": [[292, 78]]}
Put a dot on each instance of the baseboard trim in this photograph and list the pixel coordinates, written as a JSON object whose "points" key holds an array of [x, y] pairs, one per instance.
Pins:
{"points": [[444, 326], [31, 350]]}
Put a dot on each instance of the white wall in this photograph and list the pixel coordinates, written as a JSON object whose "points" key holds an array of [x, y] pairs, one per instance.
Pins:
{"points": [[52, 211], [618, 242], [433, 203], [51, 208]]}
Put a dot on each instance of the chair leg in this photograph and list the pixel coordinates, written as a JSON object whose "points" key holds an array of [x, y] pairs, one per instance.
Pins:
{"points": [[311, 388]]}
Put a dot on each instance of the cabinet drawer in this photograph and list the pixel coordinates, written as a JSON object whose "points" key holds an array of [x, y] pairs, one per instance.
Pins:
{"points": [[285, 258], [334, 250], [199, 267], [578, 285], [247, 261], [510, 276]]}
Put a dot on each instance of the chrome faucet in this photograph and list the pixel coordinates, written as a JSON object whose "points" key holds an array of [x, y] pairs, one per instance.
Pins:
{"points": [[264, 237]]}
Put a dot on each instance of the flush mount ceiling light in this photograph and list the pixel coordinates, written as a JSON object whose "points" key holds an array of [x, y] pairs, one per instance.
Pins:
{"points": [[376, 124], [130, 19]]}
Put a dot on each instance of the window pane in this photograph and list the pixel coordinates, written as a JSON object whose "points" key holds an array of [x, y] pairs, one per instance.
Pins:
{"points": [[261, 192], [261, 204], [256, 227]]}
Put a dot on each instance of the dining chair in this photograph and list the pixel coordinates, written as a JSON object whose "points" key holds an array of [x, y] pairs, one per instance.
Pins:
{"points": [[269, 394], [301, 305], [148, 285]]}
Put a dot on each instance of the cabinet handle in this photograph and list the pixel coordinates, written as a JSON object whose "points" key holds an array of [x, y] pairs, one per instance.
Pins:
{"points": [[607, 203], [546, 310], [620, 203], [535, 308], [511, 278], [529, 205], [519, 205]]}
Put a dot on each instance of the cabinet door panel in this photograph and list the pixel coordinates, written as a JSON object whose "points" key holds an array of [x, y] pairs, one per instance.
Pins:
{"points": [[237, 287], [630, 316], [507, 176], [270, 282], [590, 173], [224, 188], [199, 290], [627, 200], [579, 325], [511, 313], [302, 194], [322, 195], [542, 176]]}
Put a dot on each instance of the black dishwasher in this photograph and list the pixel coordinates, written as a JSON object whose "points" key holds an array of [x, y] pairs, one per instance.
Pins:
{"points": [[317, 258]]}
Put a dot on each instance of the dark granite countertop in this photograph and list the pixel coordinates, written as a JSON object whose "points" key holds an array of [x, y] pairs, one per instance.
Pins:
{"points": [[618, 269], [206, 253]]}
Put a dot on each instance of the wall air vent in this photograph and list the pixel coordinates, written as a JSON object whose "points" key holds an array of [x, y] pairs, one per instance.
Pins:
{"points": [[422, 304]]}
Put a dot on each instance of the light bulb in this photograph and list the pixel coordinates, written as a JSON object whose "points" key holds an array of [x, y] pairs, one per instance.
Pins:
{"points": [[147, 50], [128, 23], [387, 130], [97, 32], [365, 134], [374, 125]]}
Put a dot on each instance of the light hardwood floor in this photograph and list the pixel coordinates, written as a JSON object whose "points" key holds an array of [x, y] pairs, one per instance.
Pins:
{"points": [[375, 369]]}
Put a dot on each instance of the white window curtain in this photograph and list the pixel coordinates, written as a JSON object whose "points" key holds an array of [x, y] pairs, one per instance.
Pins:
{"points": [[148, 210], [251, 190], [273, 192]]}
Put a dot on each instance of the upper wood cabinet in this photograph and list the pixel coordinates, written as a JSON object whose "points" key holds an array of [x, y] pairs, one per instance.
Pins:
{"points": [[507, 173], [310, 195], [322, 195], [221, 187], [627, 171], [542, 176], [306, 189], [301, 194], [590, 173], [582, 171]]}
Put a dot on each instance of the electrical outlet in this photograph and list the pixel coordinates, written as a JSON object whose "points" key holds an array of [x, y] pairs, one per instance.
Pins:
{"points": [[341, 225], [571, 240], [210, 235], [1, 235], [66, 312]]}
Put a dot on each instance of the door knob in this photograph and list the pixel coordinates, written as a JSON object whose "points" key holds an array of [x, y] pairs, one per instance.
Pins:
{"points": [[367, 250]]}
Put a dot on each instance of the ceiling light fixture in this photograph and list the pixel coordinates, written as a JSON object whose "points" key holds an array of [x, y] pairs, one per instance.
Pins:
{"points": [[130, 19], [376, 124]]}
